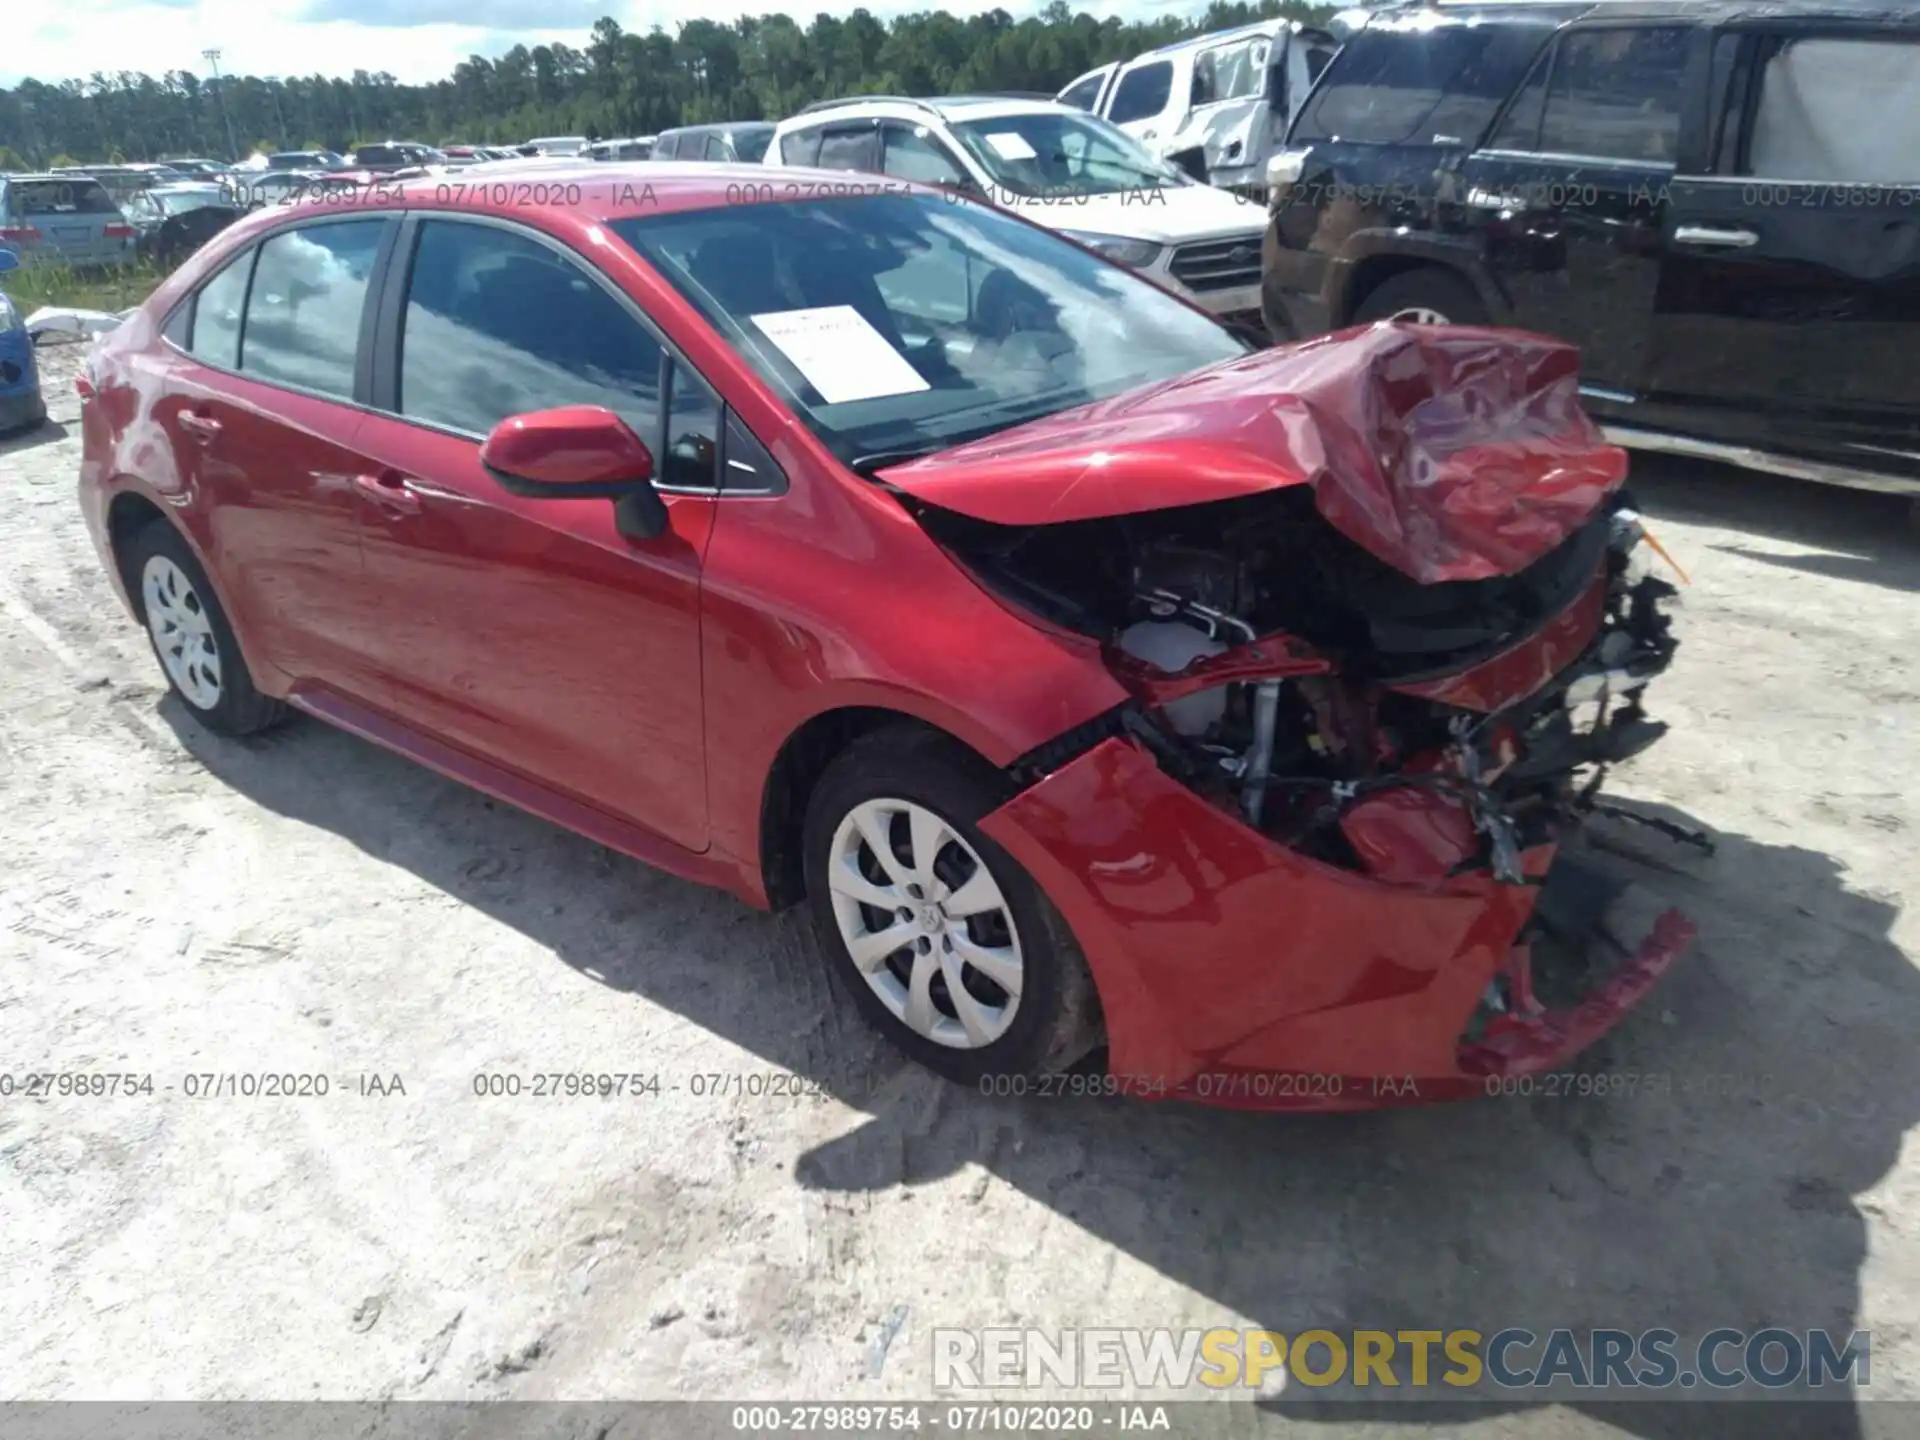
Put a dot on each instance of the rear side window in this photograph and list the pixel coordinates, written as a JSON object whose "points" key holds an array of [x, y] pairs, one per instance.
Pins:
{"points": [[59, 197], [665, 147], [750, 146], [1394, 85], [800, 147], [303, 313], [217, 312], [498, 324], [1616, 93], [1845, 111], [376, 155], [850, 149], [1142, 93]]}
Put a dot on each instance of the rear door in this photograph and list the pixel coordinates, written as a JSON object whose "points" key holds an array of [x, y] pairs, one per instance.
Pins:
{"points": [[1571, 190], [264, 423], [1789, 306], [528, 632]]}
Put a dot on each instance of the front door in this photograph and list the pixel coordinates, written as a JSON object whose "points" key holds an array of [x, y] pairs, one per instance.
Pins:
{"points": [[1570, 192], [531, 633], [1789, 302]]}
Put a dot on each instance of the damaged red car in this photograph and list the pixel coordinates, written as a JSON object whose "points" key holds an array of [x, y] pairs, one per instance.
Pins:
{"points": [[1095, 679]]}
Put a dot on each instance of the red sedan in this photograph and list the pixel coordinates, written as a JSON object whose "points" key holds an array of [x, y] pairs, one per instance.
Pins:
{"points": [[1092, 677]]}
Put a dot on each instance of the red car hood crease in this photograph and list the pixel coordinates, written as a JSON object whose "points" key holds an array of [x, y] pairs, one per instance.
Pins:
{"points": [[1450, 453]]}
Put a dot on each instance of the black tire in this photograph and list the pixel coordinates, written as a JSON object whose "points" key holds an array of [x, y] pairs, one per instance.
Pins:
{"points": [[241, 709], [1428, 288], [1057, 1018]]}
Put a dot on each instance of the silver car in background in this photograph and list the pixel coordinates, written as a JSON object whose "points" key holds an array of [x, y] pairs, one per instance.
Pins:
{"points": [[69, 218]]}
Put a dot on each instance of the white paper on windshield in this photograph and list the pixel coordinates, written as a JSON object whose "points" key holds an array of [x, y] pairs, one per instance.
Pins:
{"points": [[1011, 145], [839, 353]]}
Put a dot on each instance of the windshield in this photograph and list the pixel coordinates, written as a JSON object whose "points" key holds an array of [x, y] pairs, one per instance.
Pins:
{"points": [[1050, 153], [899, 324]]}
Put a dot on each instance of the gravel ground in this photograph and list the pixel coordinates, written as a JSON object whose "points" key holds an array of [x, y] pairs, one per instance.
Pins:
{"points": [[174, 904]]}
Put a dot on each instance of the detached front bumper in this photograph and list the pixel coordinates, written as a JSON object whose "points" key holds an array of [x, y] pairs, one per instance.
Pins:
{"points": [[1236, 971]]}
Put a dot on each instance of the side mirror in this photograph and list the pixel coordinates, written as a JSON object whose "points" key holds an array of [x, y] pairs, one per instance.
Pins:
{"points": [[8, 260], [578, 452]]}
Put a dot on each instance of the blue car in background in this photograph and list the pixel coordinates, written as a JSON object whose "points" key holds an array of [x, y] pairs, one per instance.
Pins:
{"points": [[21, 404]]}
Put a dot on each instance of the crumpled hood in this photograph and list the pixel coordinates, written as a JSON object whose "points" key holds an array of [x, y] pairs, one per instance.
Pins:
{"points": [[1450, 452]]}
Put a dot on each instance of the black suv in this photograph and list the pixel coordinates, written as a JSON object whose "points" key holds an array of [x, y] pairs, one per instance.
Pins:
{"points": [[1719, 202]]}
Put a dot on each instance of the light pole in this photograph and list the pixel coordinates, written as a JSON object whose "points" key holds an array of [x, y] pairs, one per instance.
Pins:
{"points": [[212, 57]]}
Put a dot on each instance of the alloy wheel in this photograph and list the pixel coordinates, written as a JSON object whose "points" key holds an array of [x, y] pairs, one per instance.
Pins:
{"points": [[1420, 315], [182, 632], [925, 923]]}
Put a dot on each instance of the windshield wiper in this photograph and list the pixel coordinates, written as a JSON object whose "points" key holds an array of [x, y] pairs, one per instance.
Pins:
{"points": [[881, 459]]}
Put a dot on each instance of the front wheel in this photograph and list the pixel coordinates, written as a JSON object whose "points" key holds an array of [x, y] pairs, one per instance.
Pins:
{"points": [[946, 945], [1427, 296]]}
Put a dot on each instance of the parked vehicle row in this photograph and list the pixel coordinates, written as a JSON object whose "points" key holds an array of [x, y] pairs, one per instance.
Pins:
{"points": [[1218, 104], [1720, 205], [1054, 164]]}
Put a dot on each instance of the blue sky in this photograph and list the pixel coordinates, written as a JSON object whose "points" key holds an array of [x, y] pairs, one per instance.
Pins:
{"points": [[414, 39]]}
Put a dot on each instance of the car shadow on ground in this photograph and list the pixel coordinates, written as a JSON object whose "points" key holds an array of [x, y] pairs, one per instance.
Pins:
{"points": [[1724, 1180], [12, 442], [1855, 534]]}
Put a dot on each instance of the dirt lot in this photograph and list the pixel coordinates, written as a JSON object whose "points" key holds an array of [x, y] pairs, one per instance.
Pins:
{"points": [[177, 904]]}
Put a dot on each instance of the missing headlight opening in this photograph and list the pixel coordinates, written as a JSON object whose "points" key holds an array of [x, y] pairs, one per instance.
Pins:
{"points": [[1405, 731]]}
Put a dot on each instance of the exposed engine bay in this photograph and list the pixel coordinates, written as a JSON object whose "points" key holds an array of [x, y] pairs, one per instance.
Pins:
{"points": [[1406, 731]]}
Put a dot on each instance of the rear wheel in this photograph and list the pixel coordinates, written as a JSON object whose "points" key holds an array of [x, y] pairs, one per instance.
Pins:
{"points": [[192, 639], [945, 944], [1427, 296]]}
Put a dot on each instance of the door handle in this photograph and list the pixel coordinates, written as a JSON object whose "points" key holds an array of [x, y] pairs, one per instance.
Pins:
{"points": [[1711, 235], [201, 427], [391, 491]]}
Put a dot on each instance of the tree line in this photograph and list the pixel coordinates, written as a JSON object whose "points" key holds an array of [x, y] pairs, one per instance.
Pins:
{"points": [[621, 83]]}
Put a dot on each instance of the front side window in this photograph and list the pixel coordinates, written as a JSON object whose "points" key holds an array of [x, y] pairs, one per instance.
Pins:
{"points": [[1414, 83], [1616, 93], [717, 148], [1084, 93], [217, 313], [1142, 93], [895, 324], [1045, 152], [692, 439], [498, 324], [913, 153], [303, 313], [1230, 72], [1843, 111]]}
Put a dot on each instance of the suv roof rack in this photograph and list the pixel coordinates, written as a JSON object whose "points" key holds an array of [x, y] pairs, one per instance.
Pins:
{"points": [[819, 105]]}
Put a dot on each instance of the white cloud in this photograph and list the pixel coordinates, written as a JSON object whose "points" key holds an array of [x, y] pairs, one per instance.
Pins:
{"points": [[415, 40]]}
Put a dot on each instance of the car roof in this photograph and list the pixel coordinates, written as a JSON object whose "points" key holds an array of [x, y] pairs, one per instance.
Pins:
{"points": [[1691, 12], [1213, 38], [945, 107], [721, 127]]}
